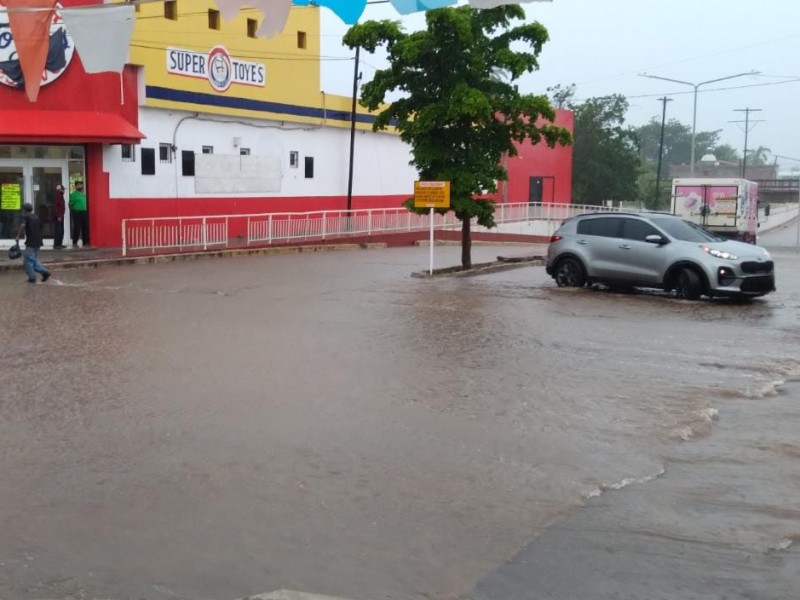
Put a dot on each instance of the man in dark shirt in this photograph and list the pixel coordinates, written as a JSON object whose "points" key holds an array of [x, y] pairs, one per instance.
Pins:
{"points": [[59, 209], [33, 241]]}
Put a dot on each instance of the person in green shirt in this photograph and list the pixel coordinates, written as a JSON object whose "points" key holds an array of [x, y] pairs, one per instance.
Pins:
{"points": [[80, 218]]}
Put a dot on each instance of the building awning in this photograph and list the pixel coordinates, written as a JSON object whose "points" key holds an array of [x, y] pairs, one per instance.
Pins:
{"points": [[66, 127]]}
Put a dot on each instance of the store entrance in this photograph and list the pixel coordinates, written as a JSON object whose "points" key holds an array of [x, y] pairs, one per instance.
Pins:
{"points": [[34, 181]]}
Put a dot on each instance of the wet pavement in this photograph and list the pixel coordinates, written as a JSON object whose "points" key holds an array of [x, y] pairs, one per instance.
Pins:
{"points": [[327, 423]]}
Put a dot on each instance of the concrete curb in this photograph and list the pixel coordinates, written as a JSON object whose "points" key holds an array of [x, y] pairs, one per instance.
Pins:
{"points": [[501, 264], [426, 243], [290, 595], [186, 256]]}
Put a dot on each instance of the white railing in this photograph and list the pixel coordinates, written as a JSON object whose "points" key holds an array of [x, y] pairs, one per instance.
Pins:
{"points": [[240, 231]]}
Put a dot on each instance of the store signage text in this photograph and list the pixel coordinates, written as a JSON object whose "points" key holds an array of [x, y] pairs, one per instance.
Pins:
{"points": [[59, 55], [218, 67]]}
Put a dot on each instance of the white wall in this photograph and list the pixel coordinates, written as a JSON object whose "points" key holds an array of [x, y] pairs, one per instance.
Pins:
{"points": [[381, 160]]}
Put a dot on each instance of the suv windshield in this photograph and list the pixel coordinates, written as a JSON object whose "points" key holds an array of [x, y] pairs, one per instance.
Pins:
{"points": [[685, 231]]}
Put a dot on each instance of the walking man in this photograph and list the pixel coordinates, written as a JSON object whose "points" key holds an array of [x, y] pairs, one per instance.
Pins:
{"points": [[80, 219], [32, 226], [59, 211]]}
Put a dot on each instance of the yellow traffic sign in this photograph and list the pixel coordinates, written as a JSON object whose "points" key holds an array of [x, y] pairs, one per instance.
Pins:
{"points": [[431, 194]]}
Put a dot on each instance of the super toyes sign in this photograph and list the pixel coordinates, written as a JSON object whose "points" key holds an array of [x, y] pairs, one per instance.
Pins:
{"points": [[217, 67]]}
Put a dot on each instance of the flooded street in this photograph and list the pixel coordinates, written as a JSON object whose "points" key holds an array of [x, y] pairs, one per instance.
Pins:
{"points": [[326, 423]]}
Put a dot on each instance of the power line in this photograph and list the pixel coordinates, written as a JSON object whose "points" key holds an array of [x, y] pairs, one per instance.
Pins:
{"points": [[705, 91]]}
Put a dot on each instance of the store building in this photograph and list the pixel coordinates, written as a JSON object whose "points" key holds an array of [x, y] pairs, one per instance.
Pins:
{"points": [[207, 119]]}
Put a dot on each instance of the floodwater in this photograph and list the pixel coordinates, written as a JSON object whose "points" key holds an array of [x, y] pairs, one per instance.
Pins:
{"points": [[326, 423]]}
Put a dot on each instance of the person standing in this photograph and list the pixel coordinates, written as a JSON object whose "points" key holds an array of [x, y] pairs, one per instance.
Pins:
{"points": [[59, 211], [77, 207], [32, 227]]}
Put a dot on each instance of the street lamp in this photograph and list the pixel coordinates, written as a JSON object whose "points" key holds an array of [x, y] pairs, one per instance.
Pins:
{"points": [[696, 86]]}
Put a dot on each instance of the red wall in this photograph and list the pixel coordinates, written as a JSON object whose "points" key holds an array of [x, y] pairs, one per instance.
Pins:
{"points": [[107, 215], [555, 165]]}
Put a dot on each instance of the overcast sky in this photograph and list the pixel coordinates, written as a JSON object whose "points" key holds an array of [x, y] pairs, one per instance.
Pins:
{"points": [[602, 46]]}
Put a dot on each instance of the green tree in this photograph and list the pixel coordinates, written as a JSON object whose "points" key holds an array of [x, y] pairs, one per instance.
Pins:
{"points": [[677, 142], [758, 156], [457, 114], [726, 153], [605, 159]]}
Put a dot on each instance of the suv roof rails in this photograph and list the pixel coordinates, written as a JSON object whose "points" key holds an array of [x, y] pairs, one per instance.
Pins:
{"points": [[624, 214]]}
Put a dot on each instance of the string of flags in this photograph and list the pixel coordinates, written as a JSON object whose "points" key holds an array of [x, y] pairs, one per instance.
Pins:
{"points": [[101, 33]]}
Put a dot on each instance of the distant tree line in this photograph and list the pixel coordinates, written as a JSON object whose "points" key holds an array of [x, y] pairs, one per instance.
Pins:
{"points": [[615, 161]]}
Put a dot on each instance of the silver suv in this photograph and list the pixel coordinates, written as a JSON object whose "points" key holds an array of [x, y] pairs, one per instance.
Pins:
{"points": [[655, 250]]}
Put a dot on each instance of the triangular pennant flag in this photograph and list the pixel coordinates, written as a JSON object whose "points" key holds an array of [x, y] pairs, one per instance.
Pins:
{"points": [[409, 6], [31, 32], [347, 10], [275, 12], [496, 3], [102, 36]]}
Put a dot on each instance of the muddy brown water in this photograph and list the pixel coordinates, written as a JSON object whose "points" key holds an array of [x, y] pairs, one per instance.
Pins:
{"points": [[326, 423]]}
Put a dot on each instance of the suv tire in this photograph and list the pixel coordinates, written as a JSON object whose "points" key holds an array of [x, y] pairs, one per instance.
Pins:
{"points": [[688, 285], [569, 272]]}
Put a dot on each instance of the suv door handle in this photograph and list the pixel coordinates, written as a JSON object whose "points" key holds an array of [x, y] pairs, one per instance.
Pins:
{"points": [[583, 242], [625, 247]]}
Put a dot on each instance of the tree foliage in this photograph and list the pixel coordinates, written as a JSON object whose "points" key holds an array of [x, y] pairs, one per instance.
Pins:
{"points": [[605, 159], [456, 113], [677, 142]]}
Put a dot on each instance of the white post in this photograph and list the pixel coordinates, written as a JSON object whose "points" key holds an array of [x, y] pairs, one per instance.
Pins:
{"points": [[205, 234], [124, 239], [431, 252], [797, 235]]}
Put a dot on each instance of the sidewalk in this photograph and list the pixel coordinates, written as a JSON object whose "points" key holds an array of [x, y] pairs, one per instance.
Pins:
{"points": [[96, 257]]}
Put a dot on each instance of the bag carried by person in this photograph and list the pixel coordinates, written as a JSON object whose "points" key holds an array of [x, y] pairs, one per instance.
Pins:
{"points": [[14, 252]]}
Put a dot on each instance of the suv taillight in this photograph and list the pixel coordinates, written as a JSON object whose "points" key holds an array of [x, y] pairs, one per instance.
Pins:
{"points": [[555, 238]]}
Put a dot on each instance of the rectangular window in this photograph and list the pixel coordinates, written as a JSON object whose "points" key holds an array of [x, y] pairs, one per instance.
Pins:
{"points": [[252, 28], [187, 163], [213, 19], [171, 10], [148, 161], [601, 226], [208, 149], [634, 229], [309, 167], [165, 153], [301, 40], [294, 159], [128, 153], [244, 151]]}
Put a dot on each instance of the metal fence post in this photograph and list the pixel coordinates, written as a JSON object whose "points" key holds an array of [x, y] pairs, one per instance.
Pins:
{"points": [[205, 234], [124, 238], [324, 223]]}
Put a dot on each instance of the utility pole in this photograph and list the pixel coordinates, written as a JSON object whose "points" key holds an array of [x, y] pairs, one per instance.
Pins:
{"points": [[356, 78], [663, 101], [747, 122]]}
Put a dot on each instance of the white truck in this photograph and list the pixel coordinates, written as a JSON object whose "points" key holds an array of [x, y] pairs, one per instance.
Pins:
{"points": [[728, 207]]}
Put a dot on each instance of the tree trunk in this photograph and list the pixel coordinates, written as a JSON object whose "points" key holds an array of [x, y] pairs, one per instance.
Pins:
{"points": [[466, 244]]}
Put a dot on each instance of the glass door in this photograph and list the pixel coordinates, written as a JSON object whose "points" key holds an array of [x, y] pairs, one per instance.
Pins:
{"points": [[44, 180], [12, 192]]}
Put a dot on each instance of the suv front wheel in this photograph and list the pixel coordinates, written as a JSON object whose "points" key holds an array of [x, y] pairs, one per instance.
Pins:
{"points": [[569, 272], [688, 285]]}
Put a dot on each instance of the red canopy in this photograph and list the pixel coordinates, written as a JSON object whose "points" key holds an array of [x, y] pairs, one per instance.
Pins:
{"points": [[66, 127]]}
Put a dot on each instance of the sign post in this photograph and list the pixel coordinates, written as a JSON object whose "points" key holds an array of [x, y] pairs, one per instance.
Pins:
{"points": [[431, 195]]}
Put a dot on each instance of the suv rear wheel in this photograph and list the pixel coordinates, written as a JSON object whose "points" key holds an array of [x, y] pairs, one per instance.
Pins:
{"points": [[688, 285], [570, 273]]}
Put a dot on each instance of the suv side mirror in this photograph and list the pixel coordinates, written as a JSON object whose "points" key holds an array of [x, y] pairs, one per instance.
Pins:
{"points": [[656, 239]]}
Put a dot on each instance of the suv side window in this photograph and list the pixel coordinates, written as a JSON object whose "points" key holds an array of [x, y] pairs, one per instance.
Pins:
{"points": [[602, 227], [634, 229]]}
